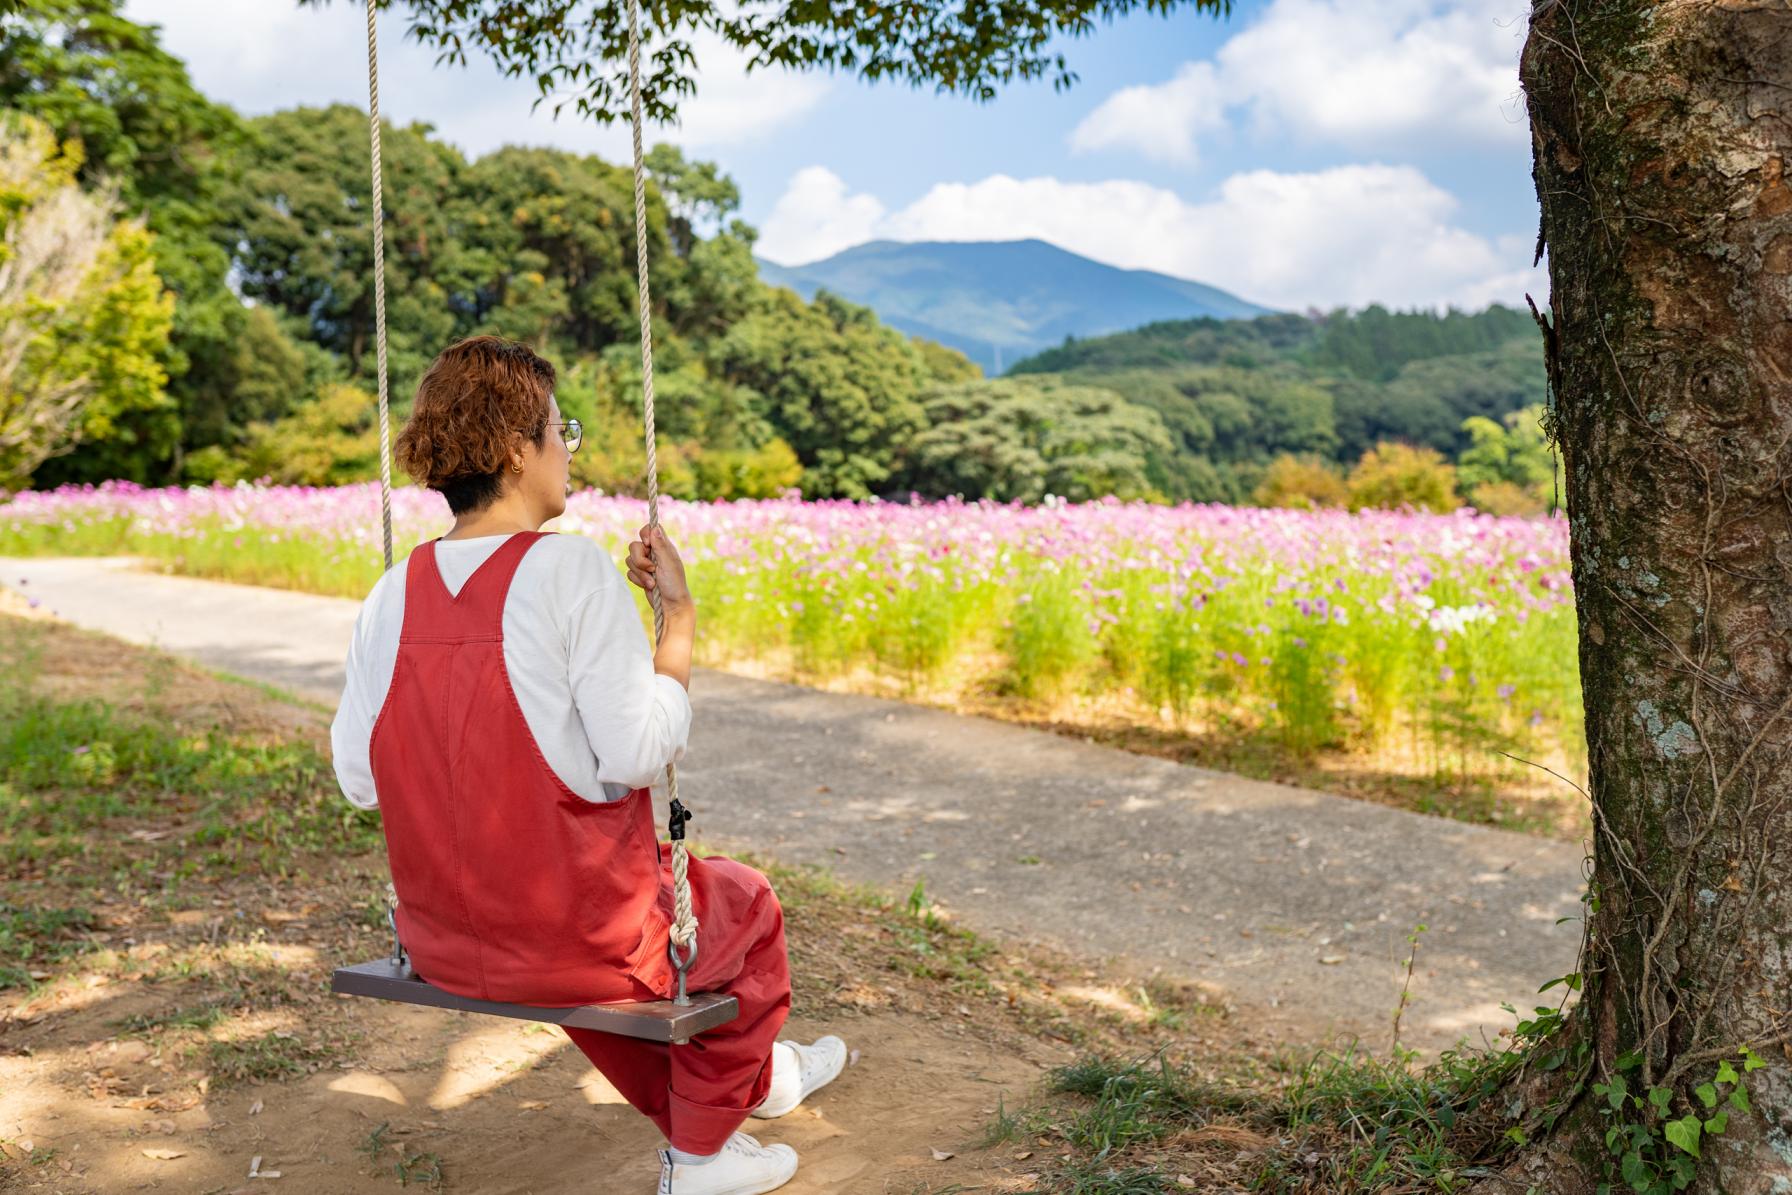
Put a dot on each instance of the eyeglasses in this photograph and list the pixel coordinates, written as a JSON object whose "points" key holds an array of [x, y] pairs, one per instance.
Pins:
{"points": [[573, 432]]}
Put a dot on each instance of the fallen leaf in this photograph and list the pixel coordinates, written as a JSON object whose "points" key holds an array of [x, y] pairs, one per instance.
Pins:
{"points": [[1183, 1180], [941, 1155], [1023, 1155], [1331, 960], [164, 1155], [532, 1105]]}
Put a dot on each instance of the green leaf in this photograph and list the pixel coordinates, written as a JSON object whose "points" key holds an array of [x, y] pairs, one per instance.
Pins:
{"points": [[1660, 1097], [1630, 1060], [1739, 1100], [1749, 1061], [1634, 1171], [1616, 1092], [1684, 1133], [1717, 1124], [1725, 1072], [1707, 1094], [1516, 1135]]}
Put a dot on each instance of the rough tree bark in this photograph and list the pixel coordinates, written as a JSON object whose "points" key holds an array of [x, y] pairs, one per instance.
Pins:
{"points": [[1662, 135]]}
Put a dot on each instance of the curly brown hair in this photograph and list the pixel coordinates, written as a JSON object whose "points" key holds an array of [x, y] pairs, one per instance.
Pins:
{"points": [[475, 399]]}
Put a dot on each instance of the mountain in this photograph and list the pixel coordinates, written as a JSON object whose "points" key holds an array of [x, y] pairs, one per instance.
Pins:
{"points": [[999, 301]]}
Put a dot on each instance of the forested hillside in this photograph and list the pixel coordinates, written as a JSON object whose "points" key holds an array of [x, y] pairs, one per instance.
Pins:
{"points": [[259, 233], [1236, 395]]}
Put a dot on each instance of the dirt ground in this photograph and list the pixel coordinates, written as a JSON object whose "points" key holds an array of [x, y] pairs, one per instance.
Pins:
{"points": [[490, 1106], [192, 1045]]}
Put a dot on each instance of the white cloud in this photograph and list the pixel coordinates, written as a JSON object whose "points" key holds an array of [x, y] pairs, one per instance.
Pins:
{"points": [[271, 54], [1158, 121], [816, 217], [1365, 74], [1349, 235]]}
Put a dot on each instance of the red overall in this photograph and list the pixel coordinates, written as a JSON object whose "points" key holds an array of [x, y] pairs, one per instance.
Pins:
{"points": [[512, 887]]}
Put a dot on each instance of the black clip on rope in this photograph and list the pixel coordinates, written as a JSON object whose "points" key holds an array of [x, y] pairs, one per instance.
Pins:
{"points": [[681, 963]]}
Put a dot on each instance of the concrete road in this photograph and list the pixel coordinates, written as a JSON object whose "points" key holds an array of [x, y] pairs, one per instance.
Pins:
{"points": [[1295, 904]]}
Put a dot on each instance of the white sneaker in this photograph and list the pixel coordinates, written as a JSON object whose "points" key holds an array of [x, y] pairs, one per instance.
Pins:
{"points": [[800, 1071], [745, 1167]]}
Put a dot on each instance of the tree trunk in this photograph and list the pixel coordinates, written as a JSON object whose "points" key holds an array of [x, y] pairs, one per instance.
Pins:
{"points": [[1661, 144]]}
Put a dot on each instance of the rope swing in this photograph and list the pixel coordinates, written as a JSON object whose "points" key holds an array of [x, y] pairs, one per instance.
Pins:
{"points": [[392, 979]]}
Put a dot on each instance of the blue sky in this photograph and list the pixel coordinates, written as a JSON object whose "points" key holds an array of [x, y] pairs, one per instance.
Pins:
{"points": [[1301, 152]]}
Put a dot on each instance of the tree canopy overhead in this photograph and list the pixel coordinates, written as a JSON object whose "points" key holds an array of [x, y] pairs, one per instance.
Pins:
{"points": [[577, 50]]}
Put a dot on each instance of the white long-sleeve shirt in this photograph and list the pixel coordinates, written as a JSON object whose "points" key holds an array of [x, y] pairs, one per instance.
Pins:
{"points": [[578, 660]]}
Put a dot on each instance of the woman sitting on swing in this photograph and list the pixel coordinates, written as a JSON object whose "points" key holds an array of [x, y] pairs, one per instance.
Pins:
{"points": [[505, 714]]}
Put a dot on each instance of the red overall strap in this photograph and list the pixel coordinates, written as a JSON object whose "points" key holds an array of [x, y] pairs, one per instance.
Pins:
{"points": [[476, 613]]}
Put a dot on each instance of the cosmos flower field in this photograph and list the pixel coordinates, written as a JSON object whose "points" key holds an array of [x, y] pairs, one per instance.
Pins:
{"points": [[1449, 635]]}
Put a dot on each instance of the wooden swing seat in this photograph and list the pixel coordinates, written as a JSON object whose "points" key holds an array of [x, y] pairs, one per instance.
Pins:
{"points": [[655, 1020]]}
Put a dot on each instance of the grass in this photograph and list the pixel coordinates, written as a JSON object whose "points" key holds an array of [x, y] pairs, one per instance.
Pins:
{"points": [[1332, 1120], [153, 811], [34, 939], [196, 1017], [266, 1058], [407, 1166], [234, 803]]}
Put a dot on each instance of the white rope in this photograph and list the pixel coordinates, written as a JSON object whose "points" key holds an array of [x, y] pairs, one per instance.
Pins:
{"points": [[684, 918], [379, 281]]}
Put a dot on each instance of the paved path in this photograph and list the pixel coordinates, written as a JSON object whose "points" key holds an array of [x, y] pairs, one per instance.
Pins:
{"points": [[1295, 903]]}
